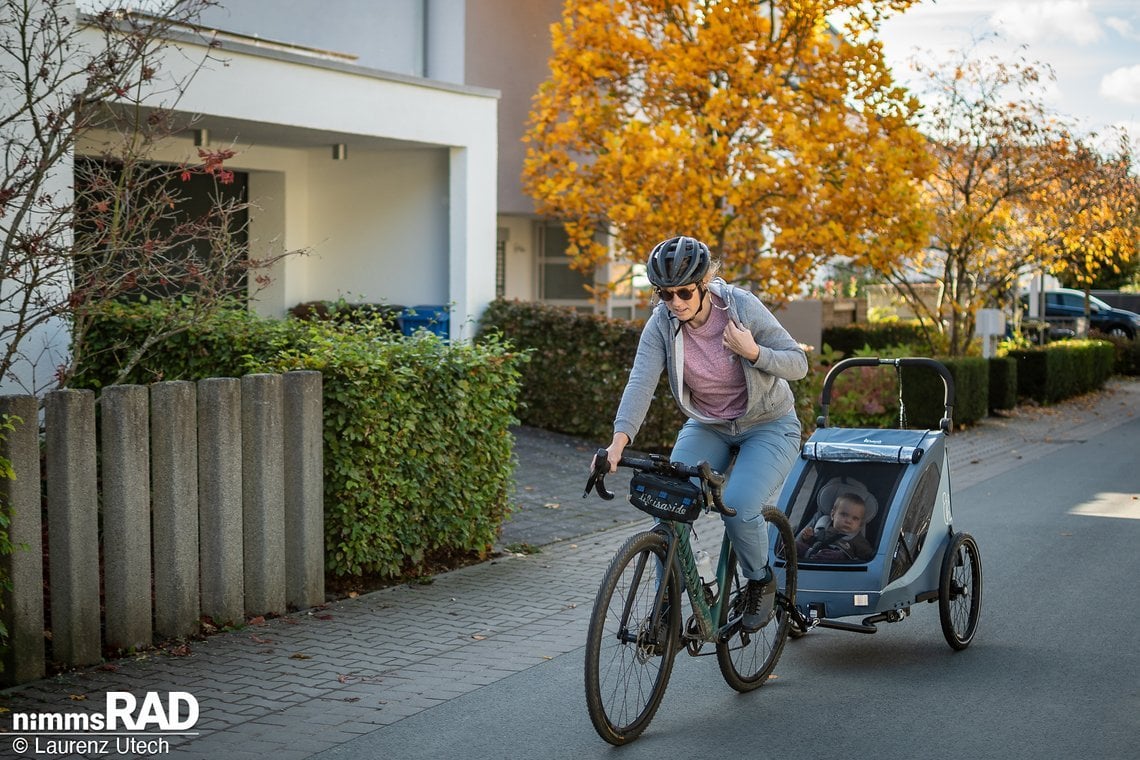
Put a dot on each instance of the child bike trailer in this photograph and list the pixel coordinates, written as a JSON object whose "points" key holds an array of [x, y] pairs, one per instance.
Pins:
{"points": [[895, 484]]}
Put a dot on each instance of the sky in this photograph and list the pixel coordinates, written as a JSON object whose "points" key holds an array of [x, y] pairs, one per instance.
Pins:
{"points": [[1093, 47]]}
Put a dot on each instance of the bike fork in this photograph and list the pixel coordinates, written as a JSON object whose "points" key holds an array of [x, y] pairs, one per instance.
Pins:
{"points": [[624, 634]]}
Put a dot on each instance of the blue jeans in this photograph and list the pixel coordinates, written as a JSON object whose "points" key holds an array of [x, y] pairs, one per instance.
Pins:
{"points": [[765, 454]]}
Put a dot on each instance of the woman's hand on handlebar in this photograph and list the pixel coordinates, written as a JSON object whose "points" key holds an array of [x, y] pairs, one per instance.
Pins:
{"points": [[614, 451]]}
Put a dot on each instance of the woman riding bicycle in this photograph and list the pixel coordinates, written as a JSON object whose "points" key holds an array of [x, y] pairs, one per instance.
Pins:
{"points": [[729, 363]]}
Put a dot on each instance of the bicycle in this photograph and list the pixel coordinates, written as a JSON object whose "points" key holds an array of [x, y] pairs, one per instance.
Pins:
{"points": [[635, 628]]}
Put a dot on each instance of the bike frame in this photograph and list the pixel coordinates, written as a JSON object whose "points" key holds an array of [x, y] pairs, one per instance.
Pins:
{"points": [[627, 669], [679, 558]]}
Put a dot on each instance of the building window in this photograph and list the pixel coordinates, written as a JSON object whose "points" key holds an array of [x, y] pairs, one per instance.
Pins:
{"points": [[501, 262], [558, 283], [631, 291]]}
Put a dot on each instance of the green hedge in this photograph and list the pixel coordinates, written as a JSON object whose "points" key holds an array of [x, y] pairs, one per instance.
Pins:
{"points": [[578, 369], [227, 344], [852, 339], [1003, 383], [1127, 361], [580, 364], [924, 393], [1063, 369], [418, 451]]}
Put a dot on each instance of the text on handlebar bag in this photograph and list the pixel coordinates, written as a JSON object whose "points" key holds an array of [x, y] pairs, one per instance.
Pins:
{"points": [[666, 498]]}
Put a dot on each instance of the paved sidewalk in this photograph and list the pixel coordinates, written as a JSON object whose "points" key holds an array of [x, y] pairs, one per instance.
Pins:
{"points": [[295, 686]]}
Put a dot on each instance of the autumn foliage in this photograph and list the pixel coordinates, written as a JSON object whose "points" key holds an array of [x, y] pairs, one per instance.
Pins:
{"points": [[1087, 220], [776, 134], [1016, 189]]}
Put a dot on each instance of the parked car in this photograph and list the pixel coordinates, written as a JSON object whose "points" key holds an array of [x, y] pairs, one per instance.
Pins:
{"points": [[1065, 304]]}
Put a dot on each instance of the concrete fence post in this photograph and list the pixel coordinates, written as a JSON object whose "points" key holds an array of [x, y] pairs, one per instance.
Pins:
{"points": [[219, 499], [304, 490], [23, 610], [125, 438], [174, 461], [263, 493], [73, 524]]}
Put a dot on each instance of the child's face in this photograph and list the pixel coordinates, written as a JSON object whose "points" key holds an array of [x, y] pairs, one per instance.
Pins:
{"points": [[847, 515]]}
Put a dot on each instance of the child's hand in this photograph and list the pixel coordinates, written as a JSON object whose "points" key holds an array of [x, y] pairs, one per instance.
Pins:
{"points": [[807, 533]]}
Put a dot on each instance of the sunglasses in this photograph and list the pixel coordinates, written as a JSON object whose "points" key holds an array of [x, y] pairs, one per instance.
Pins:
{"points": [[668, 295]]}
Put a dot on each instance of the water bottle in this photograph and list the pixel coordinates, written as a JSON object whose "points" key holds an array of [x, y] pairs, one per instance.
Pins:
{"points": [[708, 575]]}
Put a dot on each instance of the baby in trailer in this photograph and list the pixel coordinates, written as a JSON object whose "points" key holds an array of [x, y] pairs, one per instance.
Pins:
{"points": [[837, 536]]}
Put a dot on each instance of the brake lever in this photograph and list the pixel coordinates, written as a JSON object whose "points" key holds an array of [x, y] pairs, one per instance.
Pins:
{"points": [[714, 481], [597, 479]]}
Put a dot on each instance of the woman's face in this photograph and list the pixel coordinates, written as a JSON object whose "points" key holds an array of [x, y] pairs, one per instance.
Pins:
{"points": [[684, 302]]}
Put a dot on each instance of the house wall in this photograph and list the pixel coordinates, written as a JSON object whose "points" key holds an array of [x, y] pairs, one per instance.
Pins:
{"points": [[45, 346], [408, 217], [420, 38], [378, 224], [803, 320], [508, 48]]}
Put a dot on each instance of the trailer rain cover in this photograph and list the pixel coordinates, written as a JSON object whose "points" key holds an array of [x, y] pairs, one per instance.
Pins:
{"points": [[854, 445]]}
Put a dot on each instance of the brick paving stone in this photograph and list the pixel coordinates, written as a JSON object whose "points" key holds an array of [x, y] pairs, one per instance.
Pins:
{"points": [[390, 654]]}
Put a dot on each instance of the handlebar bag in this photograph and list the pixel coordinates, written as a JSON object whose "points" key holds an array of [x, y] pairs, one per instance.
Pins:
{"points": [[666, 498]]}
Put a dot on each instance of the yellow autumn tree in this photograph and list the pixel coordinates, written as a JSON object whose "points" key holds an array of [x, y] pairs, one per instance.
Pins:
{"points": [[998, 150], [771, 130], [1087, 219]]}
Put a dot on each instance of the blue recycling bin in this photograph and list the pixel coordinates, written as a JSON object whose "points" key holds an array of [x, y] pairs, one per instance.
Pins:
{"points": [[434, 319]]}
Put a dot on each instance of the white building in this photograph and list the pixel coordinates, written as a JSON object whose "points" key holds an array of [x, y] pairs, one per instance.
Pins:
{"points": [[385, 138], [430, 100]]}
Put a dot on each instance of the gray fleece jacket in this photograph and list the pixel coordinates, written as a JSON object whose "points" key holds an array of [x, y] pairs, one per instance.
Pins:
{"points": [[662, 347]]}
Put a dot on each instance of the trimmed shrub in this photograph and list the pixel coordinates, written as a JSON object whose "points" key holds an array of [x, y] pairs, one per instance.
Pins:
{"points": [[354, 313], [1003, 383], [1063, 369], [924, 393], [228, 344], [861, 397], [852, 339], [580, 364], [418, 451], [578, 369], [1127, 361]]}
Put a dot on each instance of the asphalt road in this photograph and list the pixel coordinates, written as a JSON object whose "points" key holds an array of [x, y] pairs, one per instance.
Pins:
{"points": [[1053, 672]]}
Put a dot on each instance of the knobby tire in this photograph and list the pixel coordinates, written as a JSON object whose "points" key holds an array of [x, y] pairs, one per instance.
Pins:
{"points": [[627, 669], [747, 660]]}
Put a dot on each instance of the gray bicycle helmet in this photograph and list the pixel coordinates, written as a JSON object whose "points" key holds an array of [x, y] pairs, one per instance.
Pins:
{"points": [[678, 261]]}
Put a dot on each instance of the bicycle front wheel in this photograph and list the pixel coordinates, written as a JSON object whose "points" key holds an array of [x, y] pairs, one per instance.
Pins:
{"points": [[748, 659], [628, 660]]}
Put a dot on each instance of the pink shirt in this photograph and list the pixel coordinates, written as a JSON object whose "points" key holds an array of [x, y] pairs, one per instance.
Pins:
{"points": [[713, 374]]}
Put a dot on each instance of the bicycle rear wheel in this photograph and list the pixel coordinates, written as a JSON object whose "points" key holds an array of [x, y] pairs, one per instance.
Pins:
{"points": [[628, 662], [748, 659]]}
